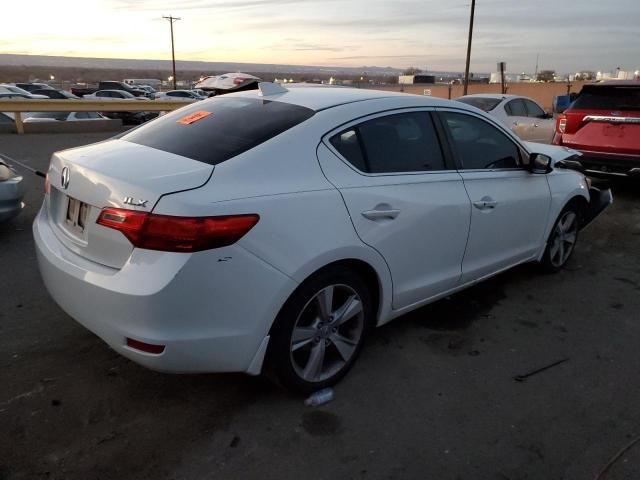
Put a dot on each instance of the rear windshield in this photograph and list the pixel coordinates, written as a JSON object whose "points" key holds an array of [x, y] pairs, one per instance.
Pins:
{"points": [[608, 98], [483, 103], [215, 130]]}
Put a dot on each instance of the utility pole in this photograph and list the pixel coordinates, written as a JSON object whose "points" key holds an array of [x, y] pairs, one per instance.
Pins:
{"points": [[466, 70], [173, 53], [535, 75]]}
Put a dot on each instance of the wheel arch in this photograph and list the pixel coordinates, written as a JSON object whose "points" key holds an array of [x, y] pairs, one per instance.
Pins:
{"points": [[369, 265], [578, 197]]}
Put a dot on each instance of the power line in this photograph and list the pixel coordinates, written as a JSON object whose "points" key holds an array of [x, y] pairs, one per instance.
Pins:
{"points": [[172, 19]]}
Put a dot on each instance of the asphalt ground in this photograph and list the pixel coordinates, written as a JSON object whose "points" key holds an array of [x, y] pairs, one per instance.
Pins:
{"points": [[433, 395]]}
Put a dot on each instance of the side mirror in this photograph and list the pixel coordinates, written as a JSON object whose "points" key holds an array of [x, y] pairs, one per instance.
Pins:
{"points": [[539, 163]]}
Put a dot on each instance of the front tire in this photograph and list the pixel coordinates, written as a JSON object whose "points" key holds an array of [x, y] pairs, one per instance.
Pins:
{"points": [[562, 239], [320, 330]]}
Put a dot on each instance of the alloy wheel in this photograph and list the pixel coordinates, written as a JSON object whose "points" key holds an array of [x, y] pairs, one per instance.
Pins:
{"points": [[327, 333], [564, 239]]}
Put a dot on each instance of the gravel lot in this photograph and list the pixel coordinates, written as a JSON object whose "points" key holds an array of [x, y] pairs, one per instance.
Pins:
{"points": [[431, 397]]}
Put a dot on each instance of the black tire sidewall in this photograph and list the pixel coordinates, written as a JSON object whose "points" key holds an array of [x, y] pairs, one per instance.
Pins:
{"points": [[278, 352]]}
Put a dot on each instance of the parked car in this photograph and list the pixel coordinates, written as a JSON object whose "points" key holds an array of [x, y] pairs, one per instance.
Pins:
{"points": [[522, 115], [15, 96], [12, 88], [56, 94], [150, 91], [11, 192], [200, 92], [110, 85], [128, 118], [603, 123], [285, 223], [114, 95], [180, 95], [64, 117], [33, 86], [227, 83]]}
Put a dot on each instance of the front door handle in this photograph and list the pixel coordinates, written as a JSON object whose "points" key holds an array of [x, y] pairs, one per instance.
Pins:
{"points": [[487, 203], [380, 214]]}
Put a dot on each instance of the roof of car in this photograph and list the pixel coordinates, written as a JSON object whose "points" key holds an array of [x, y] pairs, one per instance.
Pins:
{"points": [[615, 83], [492, 95], [320, 97]]}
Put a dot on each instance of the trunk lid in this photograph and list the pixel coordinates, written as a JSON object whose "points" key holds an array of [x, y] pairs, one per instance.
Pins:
{"points": [[603, 131], [115, 173]]}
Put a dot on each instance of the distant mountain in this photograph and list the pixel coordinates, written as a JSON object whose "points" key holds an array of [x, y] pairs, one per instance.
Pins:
{"points": [[182, 65]]}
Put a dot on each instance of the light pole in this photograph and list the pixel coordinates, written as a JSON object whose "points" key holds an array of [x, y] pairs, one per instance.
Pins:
{"points": [[173, 53], [466, 69]]}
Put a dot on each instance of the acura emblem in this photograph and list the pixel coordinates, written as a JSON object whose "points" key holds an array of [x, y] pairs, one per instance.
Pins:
{"points": [[64, 178]]}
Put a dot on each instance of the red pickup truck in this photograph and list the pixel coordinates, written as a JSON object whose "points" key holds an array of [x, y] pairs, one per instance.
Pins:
{"points": [[603, 123]]}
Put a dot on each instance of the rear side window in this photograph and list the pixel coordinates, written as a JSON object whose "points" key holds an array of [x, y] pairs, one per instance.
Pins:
{"points": [[608, 98], [218, 129], [483, 103], [404, 142]]}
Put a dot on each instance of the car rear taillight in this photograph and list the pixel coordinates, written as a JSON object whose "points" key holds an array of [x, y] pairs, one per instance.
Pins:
{"points": [[562, 124], [177, 234]]}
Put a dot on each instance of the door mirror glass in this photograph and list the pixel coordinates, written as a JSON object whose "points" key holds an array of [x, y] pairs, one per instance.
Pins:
{"points": [[539, 163]]}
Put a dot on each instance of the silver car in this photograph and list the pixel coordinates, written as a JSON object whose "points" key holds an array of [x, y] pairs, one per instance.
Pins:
{"points": [[522, 115], [11, 193]]}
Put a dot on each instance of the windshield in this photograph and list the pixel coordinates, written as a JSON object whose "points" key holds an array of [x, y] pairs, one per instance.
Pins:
{"points": [[216, 130], [597, 97], [483, 103]]}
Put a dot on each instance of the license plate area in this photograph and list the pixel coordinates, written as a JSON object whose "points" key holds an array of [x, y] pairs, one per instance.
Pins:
{"points": [[76, 215]]}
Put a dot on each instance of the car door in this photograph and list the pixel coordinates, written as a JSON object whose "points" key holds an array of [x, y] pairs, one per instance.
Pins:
{"points": [[510, 205], [518, 120], [403, 197], [543, 125]]}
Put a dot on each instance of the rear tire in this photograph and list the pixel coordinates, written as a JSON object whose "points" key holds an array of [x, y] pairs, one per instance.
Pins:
{"points": [[320, 330], [562, 239]]}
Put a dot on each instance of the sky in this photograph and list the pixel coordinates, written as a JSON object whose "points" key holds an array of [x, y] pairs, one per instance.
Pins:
{"points": [[568, 35]]}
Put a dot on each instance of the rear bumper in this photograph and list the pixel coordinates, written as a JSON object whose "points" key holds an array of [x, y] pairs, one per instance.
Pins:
{"points": [[609, 164], [211, 315], [11, 194], [599, 200]]}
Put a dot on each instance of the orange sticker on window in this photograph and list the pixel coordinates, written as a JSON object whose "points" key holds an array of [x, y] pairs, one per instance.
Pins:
{"points": [[193, 117]]}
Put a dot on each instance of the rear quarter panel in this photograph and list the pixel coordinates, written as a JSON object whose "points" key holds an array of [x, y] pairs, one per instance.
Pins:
{"points": [[304, 224]]}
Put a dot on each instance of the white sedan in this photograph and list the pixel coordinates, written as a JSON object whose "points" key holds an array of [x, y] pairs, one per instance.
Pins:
{"points": [[522, 115], [282, 224], [113, 95], [41, 117], [179, 95]]}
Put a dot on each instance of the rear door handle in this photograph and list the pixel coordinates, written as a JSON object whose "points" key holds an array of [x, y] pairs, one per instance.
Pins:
{"points": [[379, 214]]}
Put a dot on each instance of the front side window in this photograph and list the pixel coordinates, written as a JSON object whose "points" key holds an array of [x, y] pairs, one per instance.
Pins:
{"points": [[479, 145], [403, 142], [516, 108], [533, 110]]}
